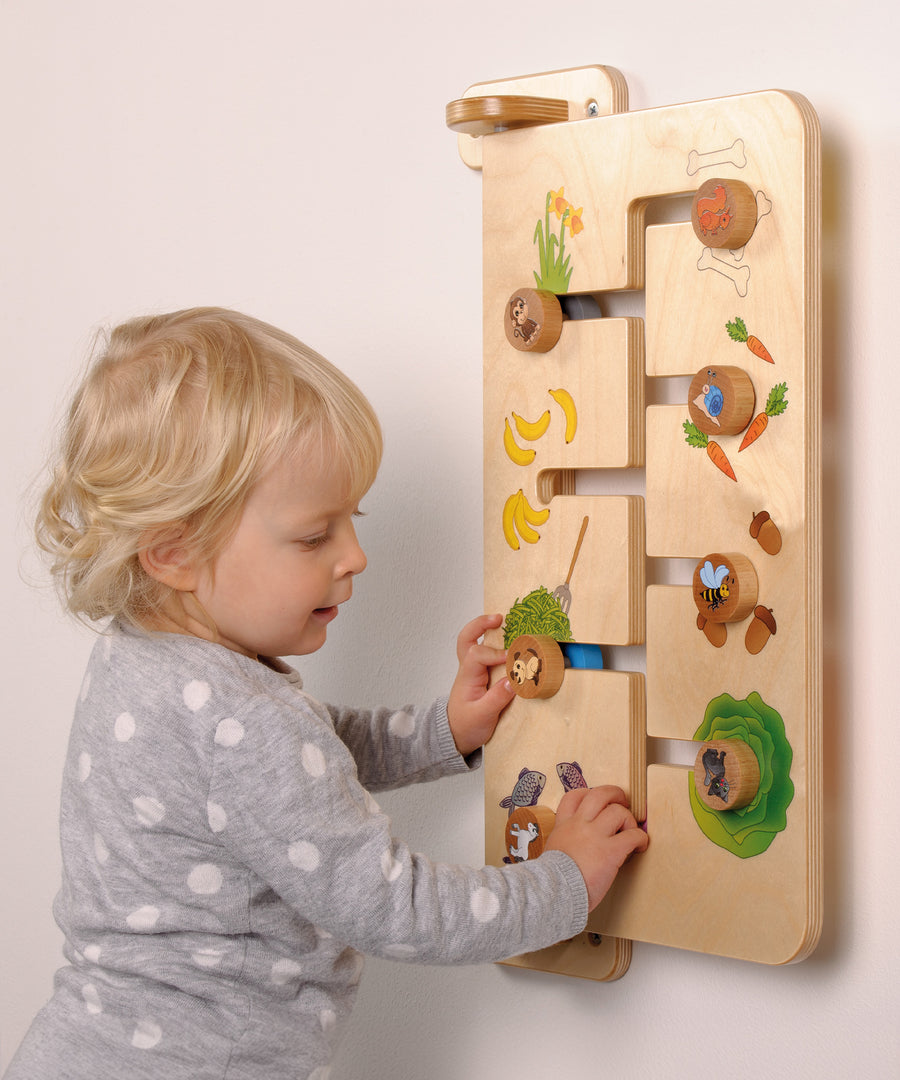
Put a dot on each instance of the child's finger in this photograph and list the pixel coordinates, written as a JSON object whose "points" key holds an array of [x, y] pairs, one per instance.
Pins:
{"points": [[472, 631], [498, 696], [569, 804], [615, 818], [599, 799], [627, 842], [479, 657]]}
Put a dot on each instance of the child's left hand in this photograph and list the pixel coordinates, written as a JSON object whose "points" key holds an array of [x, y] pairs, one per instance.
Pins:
{"points": [[474, 706]]}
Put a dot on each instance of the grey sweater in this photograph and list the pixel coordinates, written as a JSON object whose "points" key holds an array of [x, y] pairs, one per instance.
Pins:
{"points": [[225, 868]]}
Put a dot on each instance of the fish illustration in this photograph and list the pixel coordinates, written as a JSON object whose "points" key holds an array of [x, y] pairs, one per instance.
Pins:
{"points": [[570, 775], [527, 791]]}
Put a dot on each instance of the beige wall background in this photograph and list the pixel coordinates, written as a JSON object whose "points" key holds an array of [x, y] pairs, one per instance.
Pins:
{"points": [[291, 160]]}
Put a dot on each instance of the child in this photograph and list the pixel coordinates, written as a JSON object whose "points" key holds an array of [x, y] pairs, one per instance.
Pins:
{"points": [[224, 865]]}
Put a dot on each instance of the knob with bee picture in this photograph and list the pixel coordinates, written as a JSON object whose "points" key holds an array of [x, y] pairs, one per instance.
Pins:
{"points": [[725, 589]]}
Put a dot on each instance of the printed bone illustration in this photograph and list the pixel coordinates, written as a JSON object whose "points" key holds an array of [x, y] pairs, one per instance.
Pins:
{"points": [[763, 207], [725, 264], [728, 155]]}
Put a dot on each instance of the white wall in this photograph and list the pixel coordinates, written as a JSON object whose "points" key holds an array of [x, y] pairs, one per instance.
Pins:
{"points": [[291, 160]]}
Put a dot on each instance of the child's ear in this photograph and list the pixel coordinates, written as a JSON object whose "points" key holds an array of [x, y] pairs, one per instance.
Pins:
{"points": [[167, 559]]}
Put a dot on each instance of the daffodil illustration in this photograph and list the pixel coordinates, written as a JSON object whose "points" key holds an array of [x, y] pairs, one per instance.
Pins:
{"points": [[555, 271], [557, 202], [575, 223]]}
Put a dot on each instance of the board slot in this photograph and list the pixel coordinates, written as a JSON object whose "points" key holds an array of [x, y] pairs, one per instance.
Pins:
{"points": [[672, 751]]}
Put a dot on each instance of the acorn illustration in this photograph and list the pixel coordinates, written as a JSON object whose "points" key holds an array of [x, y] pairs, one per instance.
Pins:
{"points": [[764, 530], [761, 628], [716, 632]]}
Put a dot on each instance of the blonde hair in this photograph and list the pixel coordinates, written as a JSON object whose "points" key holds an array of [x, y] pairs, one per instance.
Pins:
{"points": [[175, 421]]}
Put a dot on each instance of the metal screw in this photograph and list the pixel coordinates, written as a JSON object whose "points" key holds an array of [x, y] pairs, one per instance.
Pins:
{"points": [[591, 108]]}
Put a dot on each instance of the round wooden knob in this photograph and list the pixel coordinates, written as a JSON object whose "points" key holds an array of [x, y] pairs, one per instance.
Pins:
{"points": [[723, 213], [725, 587], [726, 774], [721, 400], [535, 666], [533, 320], [501, 112], [527, 830]]}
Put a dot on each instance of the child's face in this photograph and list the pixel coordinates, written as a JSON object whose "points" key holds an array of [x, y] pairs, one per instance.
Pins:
{"points": [[275, 587]]}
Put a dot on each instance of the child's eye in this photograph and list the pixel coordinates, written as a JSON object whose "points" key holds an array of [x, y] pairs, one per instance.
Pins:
{"points": [[313, 542]]}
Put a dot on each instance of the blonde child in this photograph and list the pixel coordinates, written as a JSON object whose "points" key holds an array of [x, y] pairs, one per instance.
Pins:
{"points": [[225, 867]]}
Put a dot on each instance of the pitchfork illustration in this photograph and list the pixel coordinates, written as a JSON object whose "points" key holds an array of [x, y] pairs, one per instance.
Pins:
{"points": [[563, 593]]}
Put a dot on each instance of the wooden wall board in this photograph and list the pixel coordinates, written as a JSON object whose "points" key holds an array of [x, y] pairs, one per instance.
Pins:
{"points": [[684, 672], [768, 908], [747, 882], [600, 362], [709, 511], [608, 579], [713, 902], [613, 165], [596, 722], [673, 285]]}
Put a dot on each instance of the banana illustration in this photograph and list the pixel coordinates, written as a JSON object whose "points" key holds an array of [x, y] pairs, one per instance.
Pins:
{"points": [[515, 452], [518, 518], [532, 431], [509, 514], [529, 535], [564, 399], [532, 516]]}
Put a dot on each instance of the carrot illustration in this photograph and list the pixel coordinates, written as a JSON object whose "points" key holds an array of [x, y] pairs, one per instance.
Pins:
{"points": [[695, 437], [775, 406], [737, 331]]}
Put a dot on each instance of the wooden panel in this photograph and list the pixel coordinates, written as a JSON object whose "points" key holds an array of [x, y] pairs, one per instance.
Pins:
{"points": [[686, 892], [564, 208], [607, 582], [595, 723], [614, 165]]}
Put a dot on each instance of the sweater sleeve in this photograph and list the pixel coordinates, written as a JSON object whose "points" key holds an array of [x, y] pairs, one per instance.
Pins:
{"points": [[299, 817], [396, 747]]}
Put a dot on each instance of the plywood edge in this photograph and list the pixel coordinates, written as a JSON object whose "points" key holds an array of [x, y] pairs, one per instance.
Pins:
{"points": [[587, 956], [814, 620], [812, 174]]}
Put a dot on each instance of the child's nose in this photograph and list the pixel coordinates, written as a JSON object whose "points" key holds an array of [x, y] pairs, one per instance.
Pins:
{"points": [[354, 559]]}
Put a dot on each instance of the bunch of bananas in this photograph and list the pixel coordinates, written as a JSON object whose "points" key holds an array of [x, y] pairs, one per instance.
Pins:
{"points": [[531, 431], [519, 517]]}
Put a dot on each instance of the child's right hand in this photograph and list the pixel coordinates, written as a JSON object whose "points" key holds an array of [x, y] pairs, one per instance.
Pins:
{"points": [[595, 828]]}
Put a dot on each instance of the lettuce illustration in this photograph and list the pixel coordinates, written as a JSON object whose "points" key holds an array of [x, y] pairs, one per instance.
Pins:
{"points": [[538, 613], [750, 830]]}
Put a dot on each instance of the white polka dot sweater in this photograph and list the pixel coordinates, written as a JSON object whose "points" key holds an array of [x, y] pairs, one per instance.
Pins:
{"points": [[225, 868]]}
